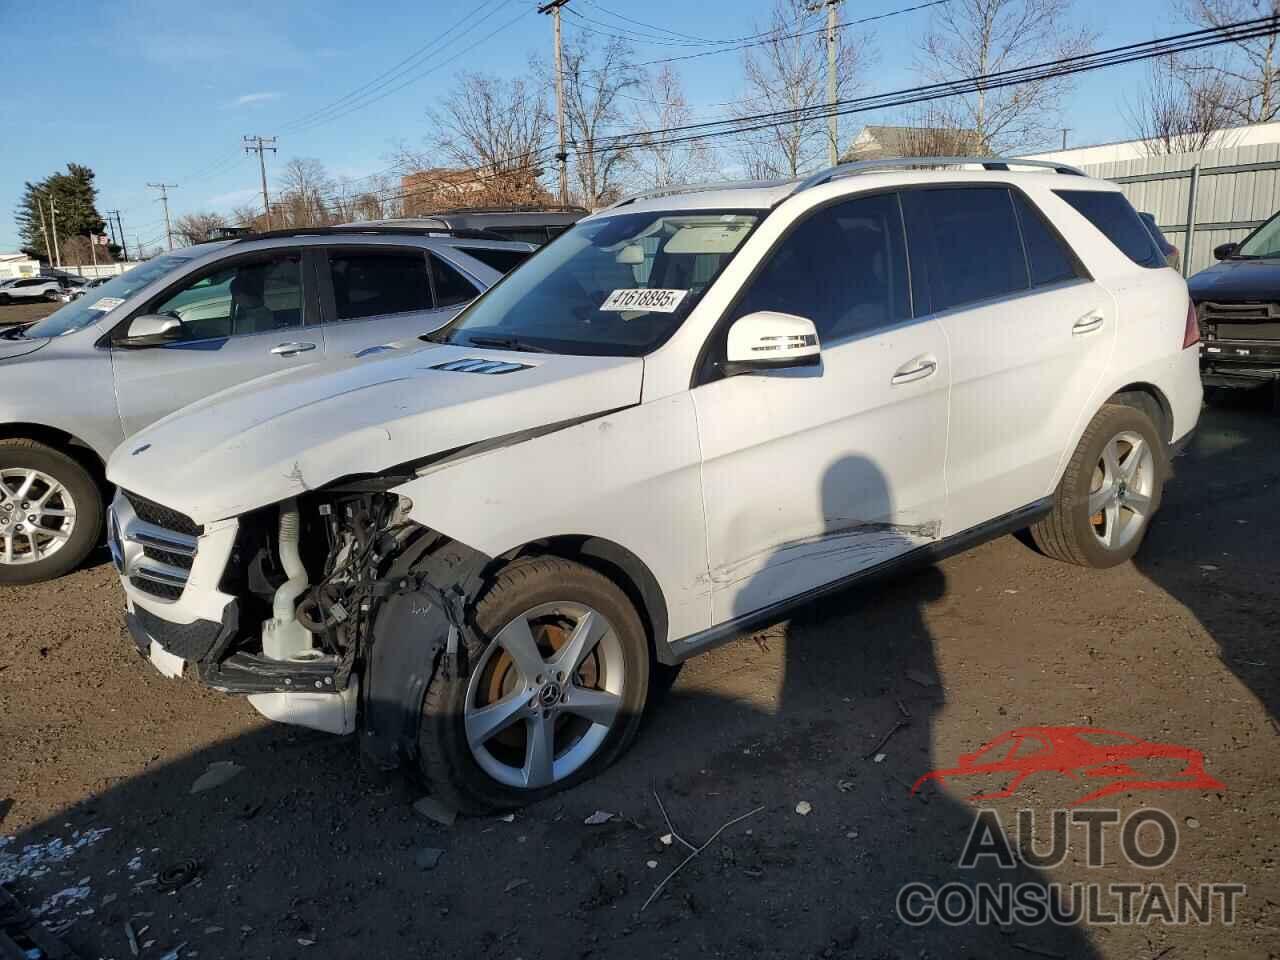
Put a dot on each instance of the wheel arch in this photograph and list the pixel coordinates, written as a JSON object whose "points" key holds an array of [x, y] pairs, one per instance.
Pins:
{"points": [[64, 442], [1138, 394], [625, 569]]}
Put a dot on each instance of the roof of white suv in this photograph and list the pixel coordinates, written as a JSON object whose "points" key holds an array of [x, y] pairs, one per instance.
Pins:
{"points": [[764, 194]]}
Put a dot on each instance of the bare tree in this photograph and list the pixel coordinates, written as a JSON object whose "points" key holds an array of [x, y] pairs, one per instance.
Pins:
{"points": [[661, 106], [193, 228], [489, 139], [1249, 73], [1180, 110], [932, 133], [305, 191], [788, 73], [971, 38], [249, 216], [595, 80]]}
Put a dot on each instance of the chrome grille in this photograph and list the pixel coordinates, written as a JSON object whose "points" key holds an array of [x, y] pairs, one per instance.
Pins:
{"points": [[156, 559]]}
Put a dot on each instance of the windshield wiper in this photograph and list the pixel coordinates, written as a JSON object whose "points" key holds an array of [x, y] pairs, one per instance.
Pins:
{"points": [[507, 343]]}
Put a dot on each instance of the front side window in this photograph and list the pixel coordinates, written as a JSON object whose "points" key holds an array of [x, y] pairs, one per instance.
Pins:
{"points": [[1263, 242], [254, 296], [1115, 217], [967, 242], [375, 283], [616, 286], [78, 314], [844, 268]]}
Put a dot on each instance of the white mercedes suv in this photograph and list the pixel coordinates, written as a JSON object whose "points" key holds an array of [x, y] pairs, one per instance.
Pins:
{"points": [[691, 412]]}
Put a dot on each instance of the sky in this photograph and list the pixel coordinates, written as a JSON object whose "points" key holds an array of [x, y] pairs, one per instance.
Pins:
{"points": [[148, 91]]}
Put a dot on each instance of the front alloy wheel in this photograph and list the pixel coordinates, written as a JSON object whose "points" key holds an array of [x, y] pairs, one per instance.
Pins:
{"points": [[554, 682], [545, 695], [50, 512]]}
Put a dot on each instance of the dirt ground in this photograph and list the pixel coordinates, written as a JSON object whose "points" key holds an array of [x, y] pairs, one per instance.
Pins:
{"points": [[26, 312], [300, 855]]}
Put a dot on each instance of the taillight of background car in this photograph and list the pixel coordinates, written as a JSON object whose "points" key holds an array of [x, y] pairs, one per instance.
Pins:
{"points": [[1192, 334]]}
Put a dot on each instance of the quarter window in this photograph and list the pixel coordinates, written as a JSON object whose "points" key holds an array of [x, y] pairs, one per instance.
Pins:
{"points": [[1047, 258], [965, 241], [1113, 215], [255, 296], [844, 268], [504, 261], [452, 288], [376, 283]]}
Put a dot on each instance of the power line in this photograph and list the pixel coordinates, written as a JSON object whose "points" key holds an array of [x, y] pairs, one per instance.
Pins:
{"points": [[368, 100]]}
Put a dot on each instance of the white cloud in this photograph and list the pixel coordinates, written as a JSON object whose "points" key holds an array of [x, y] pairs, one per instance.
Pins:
{"points": [[249, 99]]}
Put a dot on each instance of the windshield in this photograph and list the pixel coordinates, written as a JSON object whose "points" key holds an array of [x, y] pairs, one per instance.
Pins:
{"points": [[78, 314], [1265, 241], [617, 286]]}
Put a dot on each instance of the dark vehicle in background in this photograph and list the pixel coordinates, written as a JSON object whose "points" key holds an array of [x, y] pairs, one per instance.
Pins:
{"points": [[1238, 304], [529, 226], [1171, 253]]}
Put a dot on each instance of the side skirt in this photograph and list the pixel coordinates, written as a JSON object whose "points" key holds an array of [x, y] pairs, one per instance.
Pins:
{"points": [[722, 633]]}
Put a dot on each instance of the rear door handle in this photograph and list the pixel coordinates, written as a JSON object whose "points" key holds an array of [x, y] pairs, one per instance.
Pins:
{"points": [[916, 369], [291, 349], [1087, 324]]}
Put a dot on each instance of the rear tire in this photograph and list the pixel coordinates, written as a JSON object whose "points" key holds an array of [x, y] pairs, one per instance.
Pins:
{"points": [[1109, 492], [62, 496], [4, 299], [476, 763]]}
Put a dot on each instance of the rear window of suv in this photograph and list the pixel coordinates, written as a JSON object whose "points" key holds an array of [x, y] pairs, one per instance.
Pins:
{"points": [[1112, 214]]}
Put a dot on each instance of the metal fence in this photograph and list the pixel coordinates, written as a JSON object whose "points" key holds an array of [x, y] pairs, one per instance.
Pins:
{"points": [[1201, 199]]}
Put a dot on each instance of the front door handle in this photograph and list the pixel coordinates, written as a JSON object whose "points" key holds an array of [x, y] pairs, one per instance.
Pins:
{"points": [[292, 349], [916, 369], [1087, 324]]}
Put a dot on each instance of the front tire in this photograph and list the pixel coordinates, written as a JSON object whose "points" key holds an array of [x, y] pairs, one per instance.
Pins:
{"points": [[50, 512], [1109, 492], [552, 688]]}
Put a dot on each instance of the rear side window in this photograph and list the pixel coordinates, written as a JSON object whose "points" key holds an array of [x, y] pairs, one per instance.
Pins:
{"points": [[1115, 217], [535, 235], [504, 261], [452, 288], [966, 245], [378, 283], [1048, 259]]}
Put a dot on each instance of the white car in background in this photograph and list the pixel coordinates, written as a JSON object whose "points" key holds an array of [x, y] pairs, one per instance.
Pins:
{"points": [[25, 289], [690, 413]]}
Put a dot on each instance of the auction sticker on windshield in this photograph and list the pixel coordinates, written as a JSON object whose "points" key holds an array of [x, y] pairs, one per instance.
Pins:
{"points": [[106, 303], [658, 301]]}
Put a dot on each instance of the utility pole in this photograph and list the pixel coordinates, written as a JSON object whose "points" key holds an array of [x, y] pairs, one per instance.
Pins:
{"points": [[259, 145], [833, 122], [124, 247], [164, 200], [1065, 131], [553, 7], [44, 228], [53, 216]]}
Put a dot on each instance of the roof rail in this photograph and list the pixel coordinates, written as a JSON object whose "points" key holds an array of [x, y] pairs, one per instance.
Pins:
{"points": [[855, 167], [674, 190], [473, 233]]}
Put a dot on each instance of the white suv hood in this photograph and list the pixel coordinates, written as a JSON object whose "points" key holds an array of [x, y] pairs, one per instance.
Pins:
{"points": [[279, 436]]}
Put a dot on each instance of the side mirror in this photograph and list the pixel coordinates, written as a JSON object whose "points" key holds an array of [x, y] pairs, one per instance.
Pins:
{"points": [[766, 340], [152, 330], [1225, 251]]}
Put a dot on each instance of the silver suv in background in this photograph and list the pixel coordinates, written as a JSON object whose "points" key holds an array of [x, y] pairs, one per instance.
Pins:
{"points": [[25, 289], [189, 324]]}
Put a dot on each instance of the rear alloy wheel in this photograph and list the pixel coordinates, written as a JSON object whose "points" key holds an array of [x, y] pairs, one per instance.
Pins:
{"points": [[50, 512], [553, 691], [1109, 492]]}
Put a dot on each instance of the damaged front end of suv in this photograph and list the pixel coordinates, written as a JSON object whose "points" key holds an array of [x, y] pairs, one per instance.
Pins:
{"points": [[310, 584]]}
